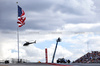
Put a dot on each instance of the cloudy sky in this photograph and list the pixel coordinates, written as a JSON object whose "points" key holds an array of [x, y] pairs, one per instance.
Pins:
{"points": [[76, 22]]}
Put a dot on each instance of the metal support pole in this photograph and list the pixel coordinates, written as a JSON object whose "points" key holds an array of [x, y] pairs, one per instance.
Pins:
{"points": [[17, 34], [54, 52], [58, 40], [18, 43]]}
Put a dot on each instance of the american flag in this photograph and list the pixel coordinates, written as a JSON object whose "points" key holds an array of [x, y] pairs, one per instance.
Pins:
{"points": [[21, 17]]}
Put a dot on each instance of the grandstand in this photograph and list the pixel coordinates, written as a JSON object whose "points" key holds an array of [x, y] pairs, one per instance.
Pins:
{"points": [[93, 57]]}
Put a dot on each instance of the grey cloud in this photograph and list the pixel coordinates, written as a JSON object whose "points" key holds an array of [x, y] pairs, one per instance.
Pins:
{"points": [[8, 18], [78, 7], [37, 5], [8, 14], [43, 24], [81, 20], [66, 9]]}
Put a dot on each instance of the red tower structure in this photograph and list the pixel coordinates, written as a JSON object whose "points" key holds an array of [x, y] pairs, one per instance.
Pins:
{"points": [[46, 55]]}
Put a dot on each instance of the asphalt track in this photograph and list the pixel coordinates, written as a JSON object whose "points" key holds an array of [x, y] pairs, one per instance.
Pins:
{"points": [[50, 64]]}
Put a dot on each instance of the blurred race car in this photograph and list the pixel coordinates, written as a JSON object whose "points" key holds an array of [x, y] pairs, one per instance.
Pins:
{"points": [[61, 60]]}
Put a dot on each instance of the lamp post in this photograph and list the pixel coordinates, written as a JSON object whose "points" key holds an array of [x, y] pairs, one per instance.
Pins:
{"points": [[58, 40]]}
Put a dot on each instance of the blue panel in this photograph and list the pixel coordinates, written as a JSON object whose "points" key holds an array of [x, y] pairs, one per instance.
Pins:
{"points": [[19, 11]]}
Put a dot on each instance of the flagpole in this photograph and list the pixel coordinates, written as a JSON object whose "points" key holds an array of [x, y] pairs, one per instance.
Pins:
{"points": [[18, 35], [18, 41]]}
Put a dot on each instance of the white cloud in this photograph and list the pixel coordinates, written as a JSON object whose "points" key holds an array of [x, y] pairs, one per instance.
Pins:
{"points": [[77, 45], [82, 27]]}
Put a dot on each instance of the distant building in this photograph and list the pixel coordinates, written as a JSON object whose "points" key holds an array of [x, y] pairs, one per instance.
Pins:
{"points": [[13, 60], [2, 61]]}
